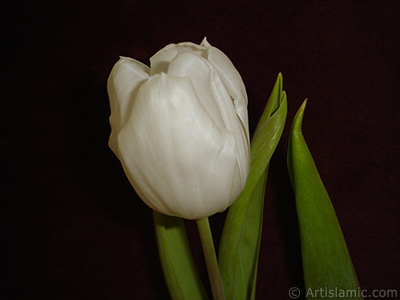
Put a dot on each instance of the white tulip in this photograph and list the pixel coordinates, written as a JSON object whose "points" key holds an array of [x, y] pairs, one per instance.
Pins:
{"points": [[180, 129]]}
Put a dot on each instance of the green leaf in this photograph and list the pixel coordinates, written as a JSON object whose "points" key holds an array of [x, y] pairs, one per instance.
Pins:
{"points": [[179, 269], [240, 241], [326, 259]]}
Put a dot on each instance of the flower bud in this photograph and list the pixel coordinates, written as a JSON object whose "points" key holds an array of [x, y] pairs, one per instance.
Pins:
{"points": [[180, 129]]}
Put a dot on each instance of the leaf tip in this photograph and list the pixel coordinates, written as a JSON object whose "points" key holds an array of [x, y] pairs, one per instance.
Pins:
{"points": [[279, 80], [298, 118]]}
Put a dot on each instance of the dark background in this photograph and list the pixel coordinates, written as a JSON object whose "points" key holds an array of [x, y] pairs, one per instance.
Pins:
{"points": [[71, 225]]}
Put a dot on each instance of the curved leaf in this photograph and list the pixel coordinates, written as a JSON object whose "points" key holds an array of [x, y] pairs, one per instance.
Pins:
{"points": [[326, 260], [240, 241]]}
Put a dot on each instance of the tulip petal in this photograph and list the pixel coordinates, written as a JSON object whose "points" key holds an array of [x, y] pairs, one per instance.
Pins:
{"points": [[175, 152], [231, 78], [198, 70], [233, 123], [159, 62], [213, 95], [123, 83]]}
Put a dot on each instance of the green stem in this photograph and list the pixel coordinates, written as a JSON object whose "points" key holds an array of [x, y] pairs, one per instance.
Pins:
{"points": [[211, 259]]}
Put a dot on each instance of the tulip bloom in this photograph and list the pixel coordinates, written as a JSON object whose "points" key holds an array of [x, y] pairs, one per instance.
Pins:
{"points": [[180, 129]]}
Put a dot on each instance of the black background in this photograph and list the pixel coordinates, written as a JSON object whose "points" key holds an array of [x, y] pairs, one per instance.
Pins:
{"points": [[71, 225]]}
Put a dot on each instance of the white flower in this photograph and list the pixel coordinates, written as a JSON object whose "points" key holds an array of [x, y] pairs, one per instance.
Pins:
{"points": [[180, 129]]}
